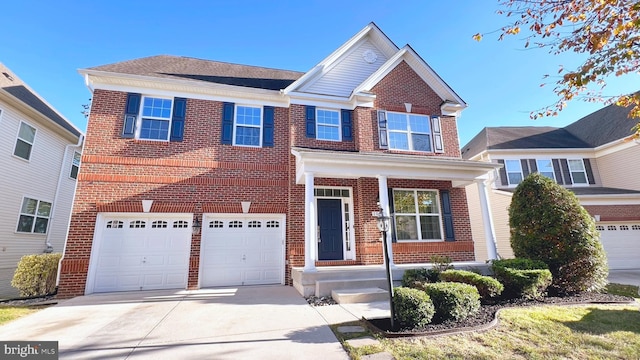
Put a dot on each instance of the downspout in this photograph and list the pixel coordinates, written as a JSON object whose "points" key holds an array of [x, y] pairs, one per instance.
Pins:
{"points": [[49, 247]]}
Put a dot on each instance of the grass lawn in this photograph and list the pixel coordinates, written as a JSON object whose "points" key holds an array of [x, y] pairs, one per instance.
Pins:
{"points": [[540, 332], [8, 313]]}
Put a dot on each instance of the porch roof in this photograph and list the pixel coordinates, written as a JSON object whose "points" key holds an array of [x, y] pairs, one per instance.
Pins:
{"points": [[353, 165]]}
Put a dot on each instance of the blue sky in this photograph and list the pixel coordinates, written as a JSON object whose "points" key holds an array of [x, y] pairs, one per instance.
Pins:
{"points": [[46, 42]]}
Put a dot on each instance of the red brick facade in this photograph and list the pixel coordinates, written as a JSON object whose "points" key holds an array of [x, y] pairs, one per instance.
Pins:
{"points": [[200, 175], [615, 212]]}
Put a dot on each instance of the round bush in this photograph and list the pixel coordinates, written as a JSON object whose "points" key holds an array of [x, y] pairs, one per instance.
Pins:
{"points": [[487, 286], [413, 307], [413, 276], [549, 224], [452, 301]]}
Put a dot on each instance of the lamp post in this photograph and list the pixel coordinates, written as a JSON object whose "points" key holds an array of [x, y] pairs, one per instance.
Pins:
{"points": [[383, 225]]}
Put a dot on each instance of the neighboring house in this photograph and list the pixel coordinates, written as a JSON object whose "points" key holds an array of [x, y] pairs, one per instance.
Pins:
{"points": [[281, 169], [593, 157], [40, 154]]}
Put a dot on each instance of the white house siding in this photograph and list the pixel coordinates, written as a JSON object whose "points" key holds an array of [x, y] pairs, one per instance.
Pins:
{"points": [[618, 170], [500, 213], [38, 179], [348, 73]]}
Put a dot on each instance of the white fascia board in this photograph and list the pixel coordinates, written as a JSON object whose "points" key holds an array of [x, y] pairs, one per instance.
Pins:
{"points": [[355, 165], [329, 101], [183, 88], [609, 199], [615, 146], [541, 153]]}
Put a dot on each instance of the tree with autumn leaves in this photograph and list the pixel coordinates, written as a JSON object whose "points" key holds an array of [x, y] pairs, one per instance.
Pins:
{"points": [[606, 31]]}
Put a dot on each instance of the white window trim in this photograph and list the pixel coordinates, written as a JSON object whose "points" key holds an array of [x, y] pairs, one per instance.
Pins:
{"points": [[72, 165], [15, 143], [417, 214], [506, 169], [140, 117], [553, 170], [347, 254], [339, 126], [409, 132], [584, 171], [15, 229], [235, 125]]}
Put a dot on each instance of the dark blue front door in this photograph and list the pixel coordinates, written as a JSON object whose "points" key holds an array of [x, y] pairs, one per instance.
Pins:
{"points": [[330, 225]]}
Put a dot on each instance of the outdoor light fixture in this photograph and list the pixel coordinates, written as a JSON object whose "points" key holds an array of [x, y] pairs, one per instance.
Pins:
{"points": [[383, 223], [196, 226]]}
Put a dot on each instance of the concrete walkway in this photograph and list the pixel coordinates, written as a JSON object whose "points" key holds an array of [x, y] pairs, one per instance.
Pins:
{"points": [[262, 322], [625, 277]]}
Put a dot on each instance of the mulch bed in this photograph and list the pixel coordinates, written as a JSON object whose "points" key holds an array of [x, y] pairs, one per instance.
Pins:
{"points": [[486, 317]]}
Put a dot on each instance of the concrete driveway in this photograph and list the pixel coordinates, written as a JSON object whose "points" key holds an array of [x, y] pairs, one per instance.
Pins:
{"points": [[263, 322]]}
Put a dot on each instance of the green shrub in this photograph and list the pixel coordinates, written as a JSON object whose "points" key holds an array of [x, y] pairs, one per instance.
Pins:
{"points": [[413, 276], [441, 263], [522, 277], [549, 224], [452, 301], [413, 307], [487, 286], [36, 274]]}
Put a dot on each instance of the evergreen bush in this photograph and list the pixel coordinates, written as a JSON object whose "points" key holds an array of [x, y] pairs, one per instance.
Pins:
{"points": [[36, 274], [452, 301], [413, 307], [487, 286]]}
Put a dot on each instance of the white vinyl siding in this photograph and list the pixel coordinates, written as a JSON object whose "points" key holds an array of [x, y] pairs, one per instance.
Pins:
{"points": [[38, 179], [614, 169], [348, 73]]}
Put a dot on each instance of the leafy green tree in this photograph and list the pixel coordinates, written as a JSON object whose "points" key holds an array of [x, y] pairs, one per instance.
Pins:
{"points": [[549, 224]]}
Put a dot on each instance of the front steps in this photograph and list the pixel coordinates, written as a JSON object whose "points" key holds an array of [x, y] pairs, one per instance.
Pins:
{"points": [[362, 295]]}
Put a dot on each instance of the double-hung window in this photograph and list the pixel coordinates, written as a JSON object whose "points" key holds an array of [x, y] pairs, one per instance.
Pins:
{"points": [[417, 215], [328, 125], [409, 132], [545, 168], [577, 170], [247, 127], [155, 119], [514, 171], [34, 216], [24, 143], [75, 165]]}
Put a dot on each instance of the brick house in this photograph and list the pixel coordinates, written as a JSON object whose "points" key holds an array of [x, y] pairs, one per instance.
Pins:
{"points": [[281, 170], [592, 157]]}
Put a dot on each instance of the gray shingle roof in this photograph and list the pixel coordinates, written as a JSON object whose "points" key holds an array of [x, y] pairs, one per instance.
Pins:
{"points": [[10, 83], [178, 67], [603, 126]]}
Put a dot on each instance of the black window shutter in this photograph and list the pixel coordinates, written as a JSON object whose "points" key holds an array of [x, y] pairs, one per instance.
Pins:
{"points": [[447, 215], [227, 123], [587, 167], [177, 121], [392, 221], [557, 171], [310, 112], [382, 129], [347, 125], [267, 127], [565, 171], [533, 166], [131, 111], [503, 173], [525, 168]]}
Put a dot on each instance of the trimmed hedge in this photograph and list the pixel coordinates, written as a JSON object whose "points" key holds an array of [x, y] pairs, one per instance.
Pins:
{"points": [[36, 274], [452, 300], [413, 307], [522, 277], [420, 275], [487, 286]]}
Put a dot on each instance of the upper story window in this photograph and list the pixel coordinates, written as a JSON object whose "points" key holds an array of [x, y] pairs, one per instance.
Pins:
{"points": [[328, 125], [545, 167], [514, 171], [247, 127], [34, 216], [417, 215], [577, 170], [409, 132], [24, 143], [155, 118], [75, 165]]}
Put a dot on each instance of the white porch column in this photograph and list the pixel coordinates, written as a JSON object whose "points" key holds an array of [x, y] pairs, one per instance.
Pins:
{"points": [[487, 219], [383, 194], [310, 236]]}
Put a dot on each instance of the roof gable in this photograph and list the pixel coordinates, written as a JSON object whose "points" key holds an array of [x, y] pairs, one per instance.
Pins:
{"points": [[601, 127]]}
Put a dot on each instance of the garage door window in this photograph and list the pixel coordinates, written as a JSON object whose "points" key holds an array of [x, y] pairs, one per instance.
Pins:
{"points": [[254, 224], [235, 224], [635, 227], [273, 224], [180, 224], [159, 224], [137, 224], [216, 224], [114, 224]]}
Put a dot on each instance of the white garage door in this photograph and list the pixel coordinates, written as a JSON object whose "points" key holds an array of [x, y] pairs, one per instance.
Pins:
{"points": [[242, 250], [622, 244], [142, 252]]}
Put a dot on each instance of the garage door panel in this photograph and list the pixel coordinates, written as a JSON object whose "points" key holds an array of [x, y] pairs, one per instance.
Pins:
{"points": [[621, 242]]}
